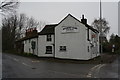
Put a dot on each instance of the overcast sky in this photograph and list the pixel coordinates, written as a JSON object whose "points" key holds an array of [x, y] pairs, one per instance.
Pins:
{"points": [[54, 12]]}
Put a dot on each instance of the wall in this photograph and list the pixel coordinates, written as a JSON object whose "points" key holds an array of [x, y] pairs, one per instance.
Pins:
{"points": [[76, 42], [94, 51], [27, 46], [42, 43]]}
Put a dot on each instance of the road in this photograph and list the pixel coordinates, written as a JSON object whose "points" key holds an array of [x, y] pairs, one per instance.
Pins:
{"points": [[15, 66], [22, 67], [107, 70], [110, 70]]}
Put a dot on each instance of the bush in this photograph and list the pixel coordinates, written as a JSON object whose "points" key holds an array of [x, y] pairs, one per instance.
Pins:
{"points": [[117, 51]]}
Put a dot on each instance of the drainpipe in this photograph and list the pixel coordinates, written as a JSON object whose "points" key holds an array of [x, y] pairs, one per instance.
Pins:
{"points": [[54, 46], [37, 45]]}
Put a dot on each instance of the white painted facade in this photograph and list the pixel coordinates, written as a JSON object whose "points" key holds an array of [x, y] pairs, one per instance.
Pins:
{"points": [[94, 51], [42, 46], [28, 46], [76, 42], [69, 33]]}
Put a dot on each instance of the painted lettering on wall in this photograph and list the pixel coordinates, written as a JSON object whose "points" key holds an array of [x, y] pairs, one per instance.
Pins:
{"points": [[68, 29]]}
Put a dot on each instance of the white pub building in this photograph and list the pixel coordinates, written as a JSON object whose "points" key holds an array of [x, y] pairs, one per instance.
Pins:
{"points": [[69, 39]]}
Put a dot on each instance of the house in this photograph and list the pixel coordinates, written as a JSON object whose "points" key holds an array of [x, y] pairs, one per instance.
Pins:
{"points": [[29, 43], [74, 39], [69, 39], [46, 45]]}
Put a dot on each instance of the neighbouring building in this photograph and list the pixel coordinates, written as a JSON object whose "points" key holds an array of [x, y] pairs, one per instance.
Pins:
{"points": [[69, 39]]}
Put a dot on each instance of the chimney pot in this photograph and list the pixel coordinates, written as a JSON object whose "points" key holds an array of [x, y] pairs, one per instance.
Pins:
{"points": [[83, 20], [82, 16]]}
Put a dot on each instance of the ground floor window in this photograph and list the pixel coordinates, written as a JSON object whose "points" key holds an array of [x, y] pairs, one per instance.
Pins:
{"points": [[62, 48], [48, 49]]}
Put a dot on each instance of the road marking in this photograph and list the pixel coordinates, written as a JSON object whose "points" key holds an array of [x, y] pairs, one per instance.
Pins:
{"points": [[95, 69], [36, 61], [91, 70], [26, 64], [15, 59], [98, 70], [95, 66]]}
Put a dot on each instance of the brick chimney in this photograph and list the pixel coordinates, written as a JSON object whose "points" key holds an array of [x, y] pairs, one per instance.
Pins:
{"points": [[30, 32], [83, 20]]}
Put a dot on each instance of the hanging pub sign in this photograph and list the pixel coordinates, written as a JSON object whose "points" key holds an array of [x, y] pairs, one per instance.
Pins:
{"points": [[69, 29]]}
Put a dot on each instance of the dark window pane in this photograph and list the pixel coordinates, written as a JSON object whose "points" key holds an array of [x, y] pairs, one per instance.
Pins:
{"points": [[62, 48], [49, 38], [48, 49]]}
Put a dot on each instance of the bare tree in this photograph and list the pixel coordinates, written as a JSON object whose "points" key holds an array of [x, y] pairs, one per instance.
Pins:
{"points": [[41, 25], [15, 25], [9, 25], [104, 28], [21, 25], [25, 22], [8, 6], [31, 22]]}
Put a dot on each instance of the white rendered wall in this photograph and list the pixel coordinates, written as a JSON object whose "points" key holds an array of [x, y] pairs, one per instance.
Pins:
{"points": [[75, 42], [42, 43], [28, 47], [93, 51]]}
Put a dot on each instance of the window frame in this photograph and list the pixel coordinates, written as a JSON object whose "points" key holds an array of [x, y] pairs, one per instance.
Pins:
{"points": [[49, 37], [62, 48], [48, 50]]}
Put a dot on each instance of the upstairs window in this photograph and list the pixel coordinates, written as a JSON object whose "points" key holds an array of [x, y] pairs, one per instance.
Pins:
{"points": [[62, 48], [48, 49], [49, 38]]}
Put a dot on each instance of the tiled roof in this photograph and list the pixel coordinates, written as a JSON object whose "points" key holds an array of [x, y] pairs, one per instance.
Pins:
{"points": [[48, 29], [28, 37]]}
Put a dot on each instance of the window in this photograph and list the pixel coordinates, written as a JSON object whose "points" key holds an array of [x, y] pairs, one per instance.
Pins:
{"points": [[88, 49], [49, 38], [62, 48], [48, 49], [33, 44]]}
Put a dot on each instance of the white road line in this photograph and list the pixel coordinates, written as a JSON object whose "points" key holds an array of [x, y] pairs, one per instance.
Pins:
{"points": [[95, 66], [91, 70], [96, 69], [15, 59], [35, 61], [26, 64]]}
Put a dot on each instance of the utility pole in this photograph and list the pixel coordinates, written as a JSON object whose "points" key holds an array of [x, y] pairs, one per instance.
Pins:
{"points": [[101, 27]]}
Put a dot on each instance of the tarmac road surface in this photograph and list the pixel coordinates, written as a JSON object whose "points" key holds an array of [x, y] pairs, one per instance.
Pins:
{"points": [[15, 66], [22, 67]]}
